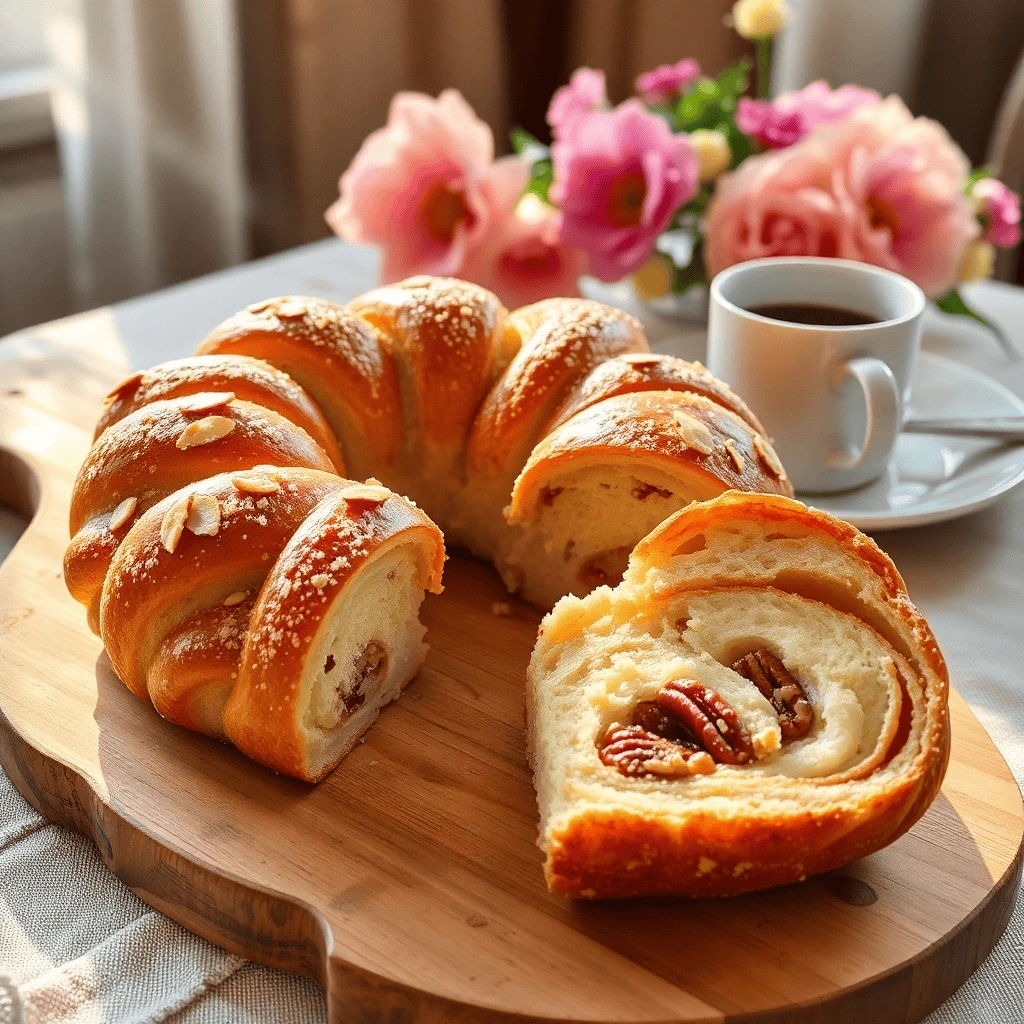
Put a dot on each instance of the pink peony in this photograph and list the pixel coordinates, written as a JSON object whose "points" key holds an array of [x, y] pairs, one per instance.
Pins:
{"points": [[667, 80], [425, 187], [999, 209], [620, 175], [523, 259], [793, 115], [584, 93], [881, 187]]}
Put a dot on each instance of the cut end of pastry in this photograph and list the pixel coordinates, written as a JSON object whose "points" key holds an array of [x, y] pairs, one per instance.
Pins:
{"points": [[366, 652], [586, 520], [610, 474], [339, 615], [772, 641]]}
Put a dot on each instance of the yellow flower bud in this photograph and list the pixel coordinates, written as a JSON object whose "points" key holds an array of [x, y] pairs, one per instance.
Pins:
{"points": [[760, 19], [978, 261], [654, 278], [712, 151]]}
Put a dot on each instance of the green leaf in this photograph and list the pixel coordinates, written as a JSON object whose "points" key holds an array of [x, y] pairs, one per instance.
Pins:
{"points": [[711, 104], [540, 179], [952, 302], [764, 67], [690, 110], [542, 172], [741, 144], [522, 140], [735, 79], [976, 175]]}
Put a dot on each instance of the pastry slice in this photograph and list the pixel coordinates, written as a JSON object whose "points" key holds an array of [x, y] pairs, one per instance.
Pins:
{"points": [[758, 701], [276, 608]]}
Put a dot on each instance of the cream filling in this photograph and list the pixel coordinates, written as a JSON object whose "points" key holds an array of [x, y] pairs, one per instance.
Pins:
{"points": [[844, 668], [369, 645], [847, 671], [585, 524]]}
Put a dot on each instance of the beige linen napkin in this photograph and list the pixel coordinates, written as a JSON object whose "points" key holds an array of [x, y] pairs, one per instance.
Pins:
{"points": [[78, 947]]}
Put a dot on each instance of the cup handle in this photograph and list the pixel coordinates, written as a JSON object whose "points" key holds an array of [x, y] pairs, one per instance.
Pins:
{"points": [[884, 406]]}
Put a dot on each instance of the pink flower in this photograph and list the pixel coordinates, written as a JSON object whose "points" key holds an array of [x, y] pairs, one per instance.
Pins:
{"points": [[774, 205], [425, 187], [667, 80], [793, 115], [772, 127], [620, 175], [999, 209], [881, 186], [523, 259], [584, 93]]}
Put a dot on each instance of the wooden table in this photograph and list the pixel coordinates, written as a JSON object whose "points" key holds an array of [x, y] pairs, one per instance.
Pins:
{"points": [[975, 611]]}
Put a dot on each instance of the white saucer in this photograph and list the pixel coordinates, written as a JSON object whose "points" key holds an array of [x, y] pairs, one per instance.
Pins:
{"points": [[932, 477]]}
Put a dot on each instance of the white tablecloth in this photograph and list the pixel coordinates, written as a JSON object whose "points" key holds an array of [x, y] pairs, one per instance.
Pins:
{"points": [[76, 947]]}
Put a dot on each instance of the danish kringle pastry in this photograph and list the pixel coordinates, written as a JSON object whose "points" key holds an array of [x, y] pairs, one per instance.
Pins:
{"points": [[548, 440], [757, 701]]}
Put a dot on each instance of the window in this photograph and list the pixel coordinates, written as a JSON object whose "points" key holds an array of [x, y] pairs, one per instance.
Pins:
{"points": [[25, 77]]}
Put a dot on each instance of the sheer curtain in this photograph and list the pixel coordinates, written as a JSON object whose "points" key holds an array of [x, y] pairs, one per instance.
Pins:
{"points": [[147, 107]]}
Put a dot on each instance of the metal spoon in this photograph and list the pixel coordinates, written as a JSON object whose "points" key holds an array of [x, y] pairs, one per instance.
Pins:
{"points": [[1003, 428]]}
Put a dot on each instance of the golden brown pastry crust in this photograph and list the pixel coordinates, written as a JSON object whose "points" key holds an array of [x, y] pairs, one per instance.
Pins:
{"points": [[618, 851], [563, 340], [429, 383], [589, 860], [649, 371], [676, 431], [148, 454], [198, 655], [251, 380], [338, 358], [150, 590], [451, 339], [215, 628]]}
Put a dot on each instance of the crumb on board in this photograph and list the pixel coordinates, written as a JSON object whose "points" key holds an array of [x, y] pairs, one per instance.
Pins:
{"points": [[500, 608]]}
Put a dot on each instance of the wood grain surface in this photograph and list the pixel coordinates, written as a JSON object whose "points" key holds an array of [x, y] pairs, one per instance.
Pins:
{"points": [[409, 882]]}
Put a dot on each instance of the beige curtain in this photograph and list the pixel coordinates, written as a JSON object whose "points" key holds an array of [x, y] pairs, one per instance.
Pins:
{"points": [[319, 76], [627, 37], [147, 109]]}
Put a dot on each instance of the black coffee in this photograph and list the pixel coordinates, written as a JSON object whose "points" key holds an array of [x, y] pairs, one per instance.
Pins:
{"points": [[819, 316]]}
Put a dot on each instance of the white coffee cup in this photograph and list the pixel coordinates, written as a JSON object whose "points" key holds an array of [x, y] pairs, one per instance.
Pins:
{"points": [[831, 398]]}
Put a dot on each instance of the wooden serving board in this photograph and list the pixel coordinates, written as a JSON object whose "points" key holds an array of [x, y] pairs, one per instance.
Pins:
{"points": [[409, 882]]}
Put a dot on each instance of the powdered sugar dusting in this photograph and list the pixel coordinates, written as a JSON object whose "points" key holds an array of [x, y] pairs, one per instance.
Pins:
{"points": [[325, 550]]}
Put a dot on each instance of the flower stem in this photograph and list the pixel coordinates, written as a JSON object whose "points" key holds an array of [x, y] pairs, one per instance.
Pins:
{"points": [[764, 66]]}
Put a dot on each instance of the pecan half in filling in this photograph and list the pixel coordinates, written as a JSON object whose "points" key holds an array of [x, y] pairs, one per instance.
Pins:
{"points": [[368, 669], [686, 730], [779, 685]]}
